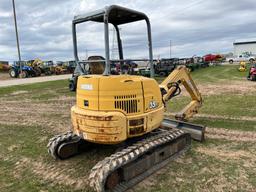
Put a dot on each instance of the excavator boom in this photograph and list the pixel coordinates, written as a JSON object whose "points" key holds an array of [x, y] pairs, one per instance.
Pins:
{"points": [[170, 87]]}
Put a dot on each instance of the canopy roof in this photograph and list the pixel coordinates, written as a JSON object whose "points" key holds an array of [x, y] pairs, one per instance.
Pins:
{"points": [[116, 15]]}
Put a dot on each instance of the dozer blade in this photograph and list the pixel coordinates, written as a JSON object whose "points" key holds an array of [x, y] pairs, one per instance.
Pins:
{"points": [[196, 131], [123, 169]]}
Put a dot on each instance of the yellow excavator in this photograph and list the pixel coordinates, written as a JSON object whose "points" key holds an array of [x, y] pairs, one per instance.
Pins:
{"points": [[126, 110], [35, 64]]}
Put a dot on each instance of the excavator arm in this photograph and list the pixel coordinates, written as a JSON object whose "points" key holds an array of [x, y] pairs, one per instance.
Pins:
{"points": [[170, 87]]}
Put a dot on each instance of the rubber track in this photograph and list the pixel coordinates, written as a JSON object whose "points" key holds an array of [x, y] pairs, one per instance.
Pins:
{"points": [[104, 168], [55, 142]]}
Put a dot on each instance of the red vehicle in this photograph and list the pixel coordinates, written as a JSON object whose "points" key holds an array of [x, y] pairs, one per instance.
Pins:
{"points": [[252, 73], [212, 58]]}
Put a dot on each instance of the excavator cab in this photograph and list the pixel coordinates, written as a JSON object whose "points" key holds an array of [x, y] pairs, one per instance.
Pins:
{"points": [[113, 15], [116, 16], [128, 110]]}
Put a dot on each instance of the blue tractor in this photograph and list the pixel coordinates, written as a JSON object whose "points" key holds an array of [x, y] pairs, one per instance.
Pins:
{"points": [[27, 71]]}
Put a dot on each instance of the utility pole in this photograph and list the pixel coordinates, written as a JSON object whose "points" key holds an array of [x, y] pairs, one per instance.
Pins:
{"points": [[170, 49], [17, 35]]}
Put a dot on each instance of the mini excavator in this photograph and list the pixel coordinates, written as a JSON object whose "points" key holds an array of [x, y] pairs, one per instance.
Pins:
{"points": [[114, 109]]}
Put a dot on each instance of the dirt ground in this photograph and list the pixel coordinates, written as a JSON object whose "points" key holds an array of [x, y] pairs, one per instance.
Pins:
{"points": [[55, 116], [38, 113], [233, 87], [4, 76]]}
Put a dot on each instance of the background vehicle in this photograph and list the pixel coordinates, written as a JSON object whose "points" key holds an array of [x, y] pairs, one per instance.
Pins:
{"points": [[47, 67], [200, 61], [70, 66], [191, 63], [129, 66], [241, 58], [213, 58], [128, 110], [252, 73], [35, 64], [144, 71], [4, 66], [27, 71], [165, 66], [60, 68], [242, 66], [115, 68]]}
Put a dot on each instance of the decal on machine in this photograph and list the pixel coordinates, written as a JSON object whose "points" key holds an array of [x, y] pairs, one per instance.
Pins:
{"points": [[153, 104], [87, 87]]}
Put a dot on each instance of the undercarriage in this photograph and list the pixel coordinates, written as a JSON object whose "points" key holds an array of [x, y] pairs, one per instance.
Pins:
{"points": [[138, 158]]}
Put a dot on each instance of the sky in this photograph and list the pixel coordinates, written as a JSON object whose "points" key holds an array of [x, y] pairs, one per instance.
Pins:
{"points": [[194, 27]]}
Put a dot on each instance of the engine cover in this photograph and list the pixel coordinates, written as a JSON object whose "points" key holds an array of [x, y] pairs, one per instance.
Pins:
{"points": [[110, 109]]}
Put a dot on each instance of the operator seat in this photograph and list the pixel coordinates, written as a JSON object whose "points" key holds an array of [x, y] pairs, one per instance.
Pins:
{"points": [[96, 67]]}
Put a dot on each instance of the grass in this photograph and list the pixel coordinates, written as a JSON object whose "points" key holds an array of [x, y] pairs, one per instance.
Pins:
{"points": [[228, 105], [217, 74], [23, 142], [37, 91], [28, 182], [226, 123], [199, 172], [26, 166]]}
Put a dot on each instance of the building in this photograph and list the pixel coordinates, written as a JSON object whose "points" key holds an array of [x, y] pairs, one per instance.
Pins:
{"points": [[244, 47]]}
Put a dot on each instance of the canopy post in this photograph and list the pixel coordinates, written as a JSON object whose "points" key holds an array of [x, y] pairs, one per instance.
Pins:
{"points": [[106, 38]]}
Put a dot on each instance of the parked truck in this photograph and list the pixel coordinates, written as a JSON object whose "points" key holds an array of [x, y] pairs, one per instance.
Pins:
{"points": [[245, 57]]}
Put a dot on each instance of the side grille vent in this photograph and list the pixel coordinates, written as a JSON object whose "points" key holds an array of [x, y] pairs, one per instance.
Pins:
{"points": [[127, 103]]}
